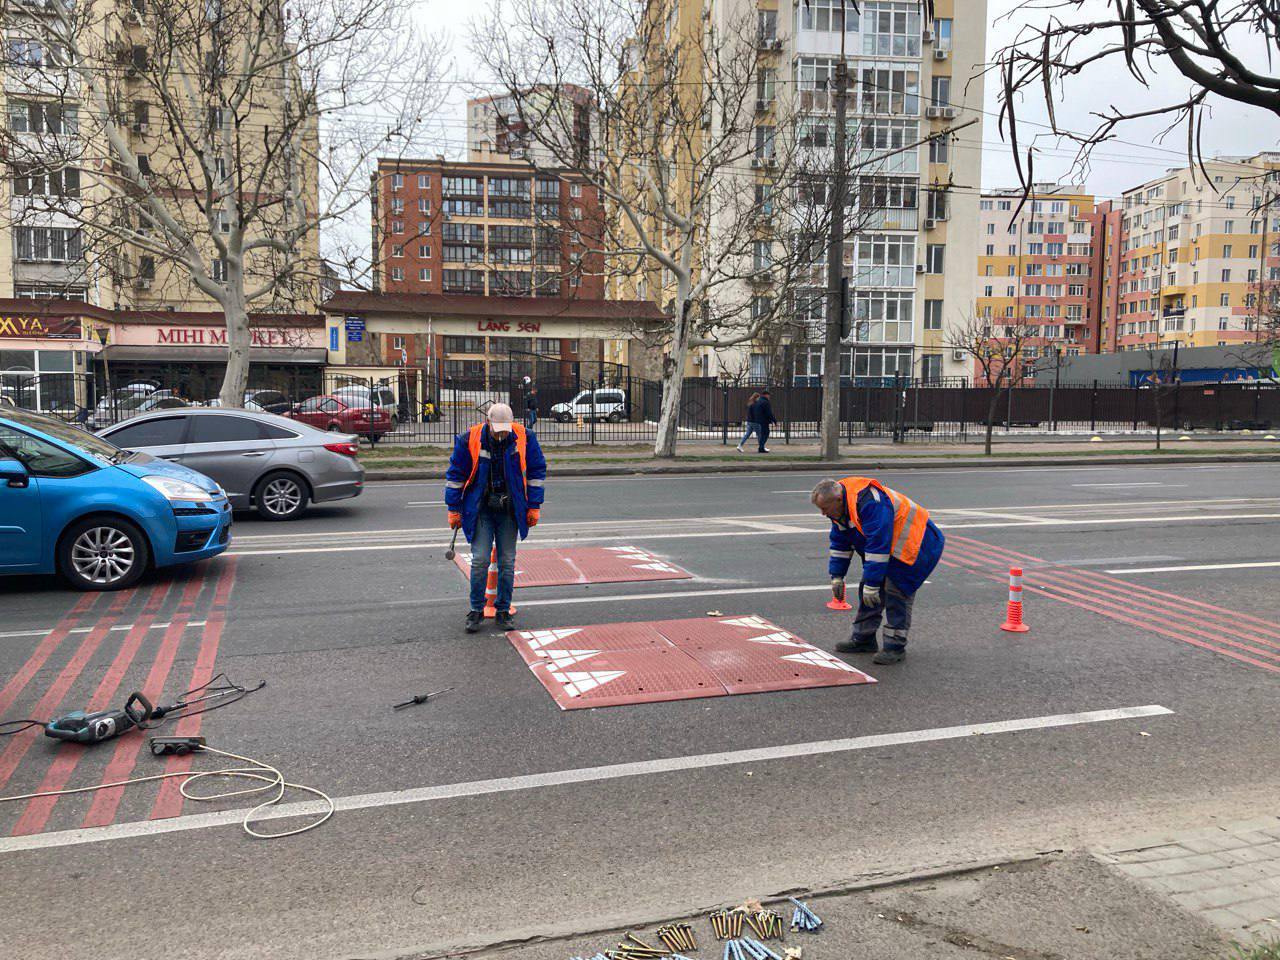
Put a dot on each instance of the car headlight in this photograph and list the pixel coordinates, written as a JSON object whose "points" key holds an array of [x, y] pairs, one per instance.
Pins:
{"points": [[173, 489]]}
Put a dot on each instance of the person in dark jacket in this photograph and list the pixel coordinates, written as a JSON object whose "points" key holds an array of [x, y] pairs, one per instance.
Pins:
{"points": [[530, 403], [493, 491], [763, 415], [753, 428]]}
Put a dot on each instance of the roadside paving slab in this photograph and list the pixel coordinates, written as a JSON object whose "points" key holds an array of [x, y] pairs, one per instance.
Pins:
{"points": [[1045, 908], [1228, 874]]}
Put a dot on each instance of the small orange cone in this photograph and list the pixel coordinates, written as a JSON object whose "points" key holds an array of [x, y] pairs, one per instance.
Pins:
{"points": [[1013, 618], [838, 602], [491, 587]]}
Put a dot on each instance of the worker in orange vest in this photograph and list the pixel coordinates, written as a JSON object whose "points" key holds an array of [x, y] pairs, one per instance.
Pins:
{"points": [[493, 491], [899, 546]]}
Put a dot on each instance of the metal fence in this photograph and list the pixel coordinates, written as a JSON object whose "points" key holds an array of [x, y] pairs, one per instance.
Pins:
{"points": [[415, 408]]}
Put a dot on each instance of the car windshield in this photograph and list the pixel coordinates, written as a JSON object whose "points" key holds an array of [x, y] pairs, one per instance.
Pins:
{"points": [[68, 434], [133, 402]]}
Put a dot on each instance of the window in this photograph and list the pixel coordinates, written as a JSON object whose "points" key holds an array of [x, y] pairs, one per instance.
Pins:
{"points": [[986, 292], [933, 314], [886, 260], [935, 254], [1226, 276], [397, 205], [397, 273], [767, 25], [397, 181], [828, 16], [762, 255], [940, 92], [48, 244], [940, 152], [32, 182], [424, 251], [397, 226], [891, 29], [1224, 323], [764, 143], [1224, 300], [397, 343], [424, 181], [1226, 251], [991, 251], [397, 250], [153, 433], [942, 33], [1228, 226], [424, 274], [984, 205], [26, 117], [890, 88], [991, 228], [884, 316], [222, 429], [218, 269], [424, 206]]}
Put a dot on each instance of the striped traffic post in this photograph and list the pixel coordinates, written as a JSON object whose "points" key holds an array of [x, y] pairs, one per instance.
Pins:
{"points": [[1013, 617]]}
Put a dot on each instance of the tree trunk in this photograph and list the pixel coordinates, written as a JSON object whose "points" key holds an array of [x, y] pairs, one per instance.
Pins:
{"points": [[673, 383], [991, 417], [1159, 414], [236, 379]]}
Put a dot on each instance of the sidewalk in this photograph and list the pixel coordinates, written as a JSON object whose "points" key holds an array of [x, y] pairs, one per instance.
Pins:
{"points": [[1043, 908], [427, 463]]}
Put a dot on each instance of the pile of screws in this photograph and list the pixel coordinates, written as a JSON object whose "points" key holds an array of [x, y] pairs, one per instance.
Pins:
{"points": [[727, 924], [748, 949], [803, 918], [677, 937], [632, 947], [766, 924]]}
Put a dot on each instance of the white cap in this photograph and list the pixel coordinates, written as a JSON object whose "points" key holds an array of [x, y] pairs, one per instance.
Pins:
{"points": [[500, 416]]}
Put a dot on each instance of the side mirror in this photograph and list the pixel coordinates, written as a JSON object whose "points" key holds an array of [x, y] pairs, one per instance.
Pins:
{"points": [[14, 474]]}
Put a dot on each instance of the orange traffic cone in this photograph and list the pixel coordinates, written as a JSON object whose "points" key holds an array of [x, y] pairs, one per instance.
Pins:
{"points": [[838, 602], [491, 587], [1013, 617]]}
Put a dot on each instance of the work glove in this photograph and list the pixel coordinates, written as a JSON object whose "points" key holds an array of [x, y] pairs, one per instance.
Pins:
{"points": [[870, 595], [455, 520], [531, 518], [837, 587]]}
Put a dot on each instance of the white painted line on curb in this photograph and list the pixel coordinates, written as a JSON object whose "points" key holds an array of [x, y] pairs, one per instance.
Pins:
{"points": [[561, 778], [1155, 483], [1199, 566]]}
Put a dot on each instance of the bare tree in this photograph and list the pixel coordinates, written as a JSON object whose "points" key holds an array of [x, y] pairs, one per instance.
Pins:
{"points": [[999, 355], [715, 175], [197, 149], [1161, 378]]}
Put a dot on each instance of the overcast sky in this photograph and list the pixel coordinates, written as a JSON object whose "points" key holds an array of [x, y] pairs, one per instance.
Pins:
{"points": [[1134, 158]]}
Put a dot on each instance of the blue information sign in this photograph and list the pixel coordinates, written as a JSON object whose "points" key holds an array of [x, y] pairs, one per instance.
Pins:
{"points": [[355, 329]]}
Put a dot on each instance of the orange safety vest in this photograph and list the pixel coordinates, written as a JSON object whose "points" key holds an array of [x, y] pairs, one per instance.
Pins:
{"points": [[910, 520], [522, 447]]}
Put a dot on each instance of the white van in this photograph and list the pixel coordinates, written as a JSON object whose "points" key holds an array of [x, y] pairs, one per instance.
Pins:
{"points": [[609, 404]]}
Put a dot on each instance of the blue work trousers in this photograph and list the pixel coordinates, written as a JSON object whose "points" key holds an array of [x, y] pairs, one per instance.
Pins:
{"points": [[493, 529]]}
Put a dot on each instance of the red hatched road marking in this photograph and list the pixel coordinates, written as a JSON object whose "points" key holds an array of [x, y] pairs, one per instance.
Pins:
{"points": [[105, 802], [169, 801], [64, 764], [52, 699], [44, 649]]}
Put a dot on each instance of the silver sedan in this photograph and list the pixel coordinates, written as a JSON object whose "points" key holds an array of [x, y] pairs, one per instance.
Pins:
{"points": [[274, 465]]}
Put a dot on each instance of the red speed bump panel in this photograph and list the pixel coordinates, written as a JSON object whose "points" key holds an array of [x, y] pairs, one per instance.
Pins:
{"points": [[611, 664], [570, 565]]}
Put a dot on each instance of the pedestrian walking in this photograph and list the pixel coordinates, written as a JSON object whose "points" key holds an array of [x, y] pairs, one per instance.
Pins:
{"points": [[530, 403], [752, 427], [765, 418], [899, 546], [493, 490]]}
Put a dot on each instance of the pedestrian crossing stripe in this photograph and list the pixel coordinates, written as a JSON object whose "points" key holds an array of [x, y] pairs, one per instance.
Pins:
{"points": [[781, 639], [579, 682], [538, 639], [665, 568], [818, 658], [564, 658], [754, 622]]}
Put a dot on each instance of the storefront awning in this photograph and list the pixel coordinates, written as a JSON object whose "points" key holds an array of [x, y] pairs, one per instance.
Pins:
{"points": [[184, 354]]}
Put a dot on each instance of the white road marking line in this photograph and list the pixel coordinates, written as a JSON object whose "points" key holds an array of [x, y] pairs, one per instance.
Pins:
{"points": [[676, 594], [122, 626], [562, 778], [1198, 566], [1151, 484], [995, 524], [1099, 561]]}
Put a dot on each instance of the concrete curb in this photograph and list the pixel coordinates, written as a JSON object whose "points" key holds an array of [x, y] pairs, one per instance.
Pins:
{"points": [[818, 466], [515, 939]]}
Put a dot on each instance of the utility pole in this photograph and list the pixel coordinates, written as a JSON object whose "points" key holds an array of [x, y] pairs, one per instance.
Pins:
{"points": [[835, 264]]}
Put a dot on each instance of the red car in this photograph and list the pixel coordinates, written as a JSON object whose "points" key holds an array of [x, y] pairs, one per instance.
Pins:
{"points": [[329, 413]]}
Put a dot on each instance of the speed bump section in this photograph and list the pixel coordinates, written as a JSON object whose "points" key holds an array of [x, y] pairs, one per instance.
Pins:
{"points": [[616, 664]]}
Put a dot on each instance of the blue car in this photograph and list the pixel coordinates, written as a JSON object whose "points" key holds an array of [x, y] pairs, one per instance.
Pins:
{"points": [[75, 504]]}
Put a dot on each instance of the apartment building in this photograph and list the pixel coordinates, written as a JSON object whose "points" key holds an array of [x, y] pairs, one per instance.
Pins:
{"points": [[1039, 271], [499, 130], [504, 233], [67, 233], [1193, 257], [908, 78]]}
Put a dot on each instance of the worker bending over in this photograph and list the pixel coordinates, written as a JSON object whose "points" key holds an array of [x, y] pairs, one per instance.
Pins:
{"points": [[899, 546]]}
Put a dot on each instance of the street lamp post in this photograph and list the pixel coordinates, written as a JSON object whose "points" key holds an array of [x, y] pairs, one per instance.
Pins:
{"points": [[102, 333]]}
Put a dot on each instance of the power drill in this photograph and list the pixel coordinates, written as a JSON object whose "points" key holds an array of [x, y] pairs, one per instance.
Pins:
{"points": [[81, 727]]}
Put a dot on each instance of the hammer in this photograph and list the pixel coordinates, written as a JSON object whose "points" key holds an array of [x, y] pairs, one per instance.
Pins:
{"points": [[451, 553]]}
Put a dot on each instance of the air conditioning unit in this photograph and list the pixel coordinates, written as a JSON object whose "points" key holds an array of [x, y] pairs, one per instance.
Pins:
{"points": [[762, 106], [927, 35], [930, 223], [919, 268], [142, 283], [957, 355], [950, 113], [941, 54], [775, 45], [933, 113], [140, 127], [134, 18]]}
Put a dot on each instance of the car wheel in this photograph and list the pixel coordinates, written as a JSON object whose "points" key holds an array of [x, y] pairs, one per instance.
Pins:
{"points": [[280, 496], [103, 553], [334, 428], [614, 417], [564, 417]]}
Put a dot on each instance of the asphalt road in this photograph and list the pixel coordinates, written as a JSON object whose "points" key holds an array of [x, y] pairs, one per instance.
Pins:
{"points": [[491, 814]]}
